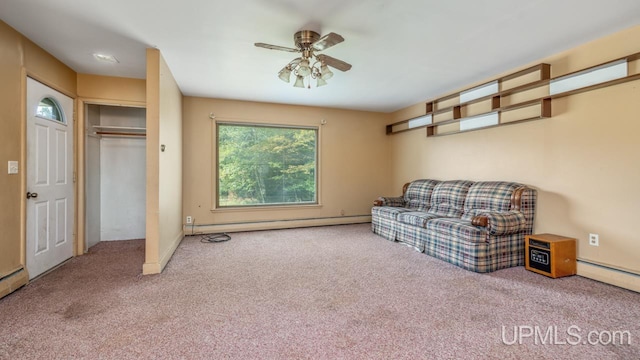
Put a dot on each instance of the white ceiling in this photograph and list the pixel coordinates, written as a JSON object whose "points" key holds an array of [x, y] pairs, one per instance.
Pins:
{"points": [[403, 51]]}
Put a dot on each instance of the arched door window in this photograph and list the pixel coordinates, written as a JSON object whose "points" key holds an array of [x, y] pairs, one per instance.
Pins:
{"points": [[48, 108]]}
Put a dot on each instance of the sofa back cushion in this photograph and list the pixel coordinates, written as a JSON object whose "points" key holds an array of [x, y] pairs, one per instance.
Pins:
{"points": [[418, 194], [488, 196], [448, 197]]}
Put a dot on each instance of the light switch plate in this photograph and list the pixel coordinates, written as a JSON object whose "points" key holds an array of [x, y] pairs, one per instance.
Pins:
{"points": [[13, 167]]}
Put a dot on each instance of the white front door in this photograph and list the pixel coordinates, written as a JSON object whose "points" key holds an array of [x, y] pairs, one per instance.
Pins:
{"points": [[50, 204]]}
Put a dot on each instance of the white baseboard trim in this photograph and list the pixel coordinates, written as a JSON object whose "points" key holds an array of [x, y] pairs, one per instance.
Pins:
{"points": [[156, 268], [13, 281], [150, 268], [276, 224], [609, 275]]}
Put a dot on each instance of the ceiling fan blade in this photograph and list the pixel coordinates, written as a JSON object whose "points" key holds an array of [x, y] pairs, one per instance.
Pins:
{"points": [[276, 47], [333, 62], [327, 41]]}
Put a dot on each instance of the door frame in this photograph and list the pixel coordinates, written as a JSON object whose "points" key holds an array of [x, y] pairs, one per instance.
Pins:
{"points": [[23, 158], [81, 105]]}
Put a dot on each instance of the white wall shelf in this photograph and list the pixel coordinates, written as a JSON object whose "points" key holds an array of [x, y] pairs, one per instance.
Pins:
{"points": [[521, 96]]}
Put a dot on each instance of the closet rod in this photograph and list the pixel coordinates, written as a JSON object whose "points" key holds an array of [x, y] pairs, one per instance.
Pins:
{"points": [[119, 133]]}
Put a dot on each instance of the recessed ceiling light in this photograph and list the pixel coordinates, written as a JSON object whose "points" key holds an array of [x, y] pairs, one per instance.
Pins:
{"points": [[106, 58]]}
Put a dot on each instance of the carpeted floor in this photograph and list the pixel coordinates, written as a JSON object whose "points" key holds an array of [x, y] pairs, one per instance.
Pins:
{"points": [[337, 292]]}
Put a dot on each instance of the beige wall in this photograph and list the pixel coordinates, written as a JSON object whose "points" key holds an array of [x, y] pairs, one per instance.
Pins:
{"points": [[164, 168], [583, 161], [354, 163], [19, 56], [11, 95], [112, 90], [42, 66]]}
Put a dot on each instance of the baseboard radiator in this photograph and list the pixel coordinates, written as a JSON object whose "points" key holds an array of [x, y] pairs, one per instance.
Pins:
{"points": [[623, 278], [13, 281], [275, 224]]}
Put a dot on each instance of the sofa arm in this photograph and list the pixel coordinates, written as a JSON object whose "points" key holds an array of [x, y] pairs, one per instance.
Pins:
{"points": [[392, 201], [501, 223], [389, 201]]}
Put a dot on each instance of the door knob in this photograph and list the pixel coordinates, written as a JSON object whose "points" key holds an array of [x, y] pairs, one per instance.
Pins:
{"points": [[31, 195]]}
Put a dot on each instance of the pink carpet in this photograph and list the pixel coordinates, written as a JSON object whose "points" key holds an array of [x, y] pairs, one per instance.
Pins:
{"points": [[337, 292]]}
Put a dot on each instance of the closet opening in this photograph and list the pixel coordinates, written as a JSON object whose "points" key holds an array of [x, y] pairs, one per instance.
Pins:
{"points": [[115, 173]]}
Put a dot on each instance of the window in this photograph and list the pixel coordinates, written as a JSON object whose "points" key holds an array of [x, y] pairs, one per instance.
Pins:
{"points": [[48, 108], [266, 165]]}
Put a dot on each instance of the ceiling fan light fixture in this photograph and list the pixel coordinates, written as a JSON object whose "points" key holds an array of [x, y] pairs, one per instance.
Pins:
{"points": [[326, 73], [299, 82], [309, 65], [285, 74], [303, 68]]}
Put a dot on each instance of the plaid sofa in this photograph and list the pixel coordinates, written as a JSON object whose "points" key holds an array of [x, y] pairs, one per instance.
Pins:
{"points": [[479, 226]]}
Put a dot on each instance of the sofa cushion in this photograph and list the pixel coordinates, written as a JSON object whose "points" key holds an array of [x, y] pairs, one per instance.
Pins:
{"points": [[447, 199], [388, 212], [418, 194], [488, 196], [416, 218], [456, 228]]}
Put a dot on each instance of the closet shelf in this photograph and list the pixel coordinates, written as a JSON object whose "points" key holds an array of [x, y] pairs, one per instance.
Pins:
{"points": [[120, 130]]}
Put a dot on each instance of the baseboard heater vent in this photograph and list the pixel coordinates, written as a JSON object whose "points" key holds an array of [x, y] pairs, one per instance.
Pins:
{"points": [[628, 279], [276, 224], [626, 272]]}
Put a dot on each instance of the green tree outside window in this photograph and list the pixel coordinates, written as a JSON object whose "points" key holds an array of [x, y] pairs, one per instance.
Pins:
{"points": [[266, 165]]}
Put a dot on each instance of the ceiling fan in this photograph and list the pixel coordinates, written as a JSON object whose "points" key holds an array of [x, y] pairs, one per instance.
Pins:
{"points": [[310, 65]]}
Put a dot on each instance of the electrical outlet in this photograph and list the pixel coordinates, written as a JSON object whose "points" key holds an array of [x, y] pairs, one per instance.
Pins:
{"points": [[189, 219], [594, 240]]}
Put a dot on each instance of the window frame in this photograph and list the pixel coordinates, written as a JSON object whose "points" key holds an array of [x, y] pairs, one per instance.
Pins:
{"points": [[216, 167], [57, 106]]}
